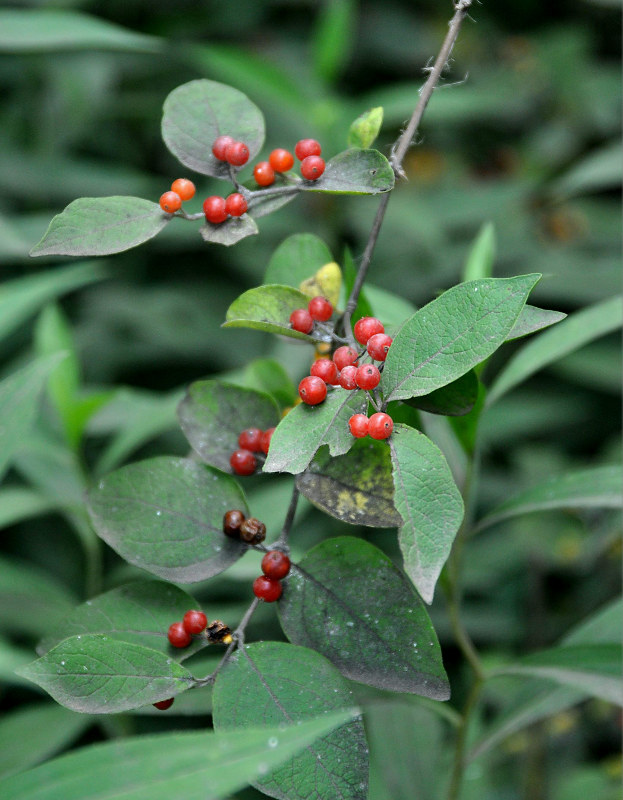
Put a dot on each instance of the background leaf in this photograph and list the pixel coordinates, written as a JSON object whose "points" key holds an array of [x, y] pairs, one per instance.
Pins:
{"points": [[364, 130], [298, 257], [454, 400], [480, 260]]}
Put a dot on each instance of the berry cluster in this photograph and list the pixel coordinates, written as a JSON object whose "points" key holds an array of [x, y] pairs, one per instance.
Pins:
{"points": [[237, 526], [181, 189], [308, 153], [275, 566], [251, 441]]}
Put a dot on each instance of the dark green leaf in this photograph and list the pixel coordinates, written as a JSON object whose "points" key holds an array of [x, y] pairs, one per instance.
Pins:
{"points": [[356, 487], [268, 308], [533, 319], [480, 260], [354, 172], [364, 130], [229, 232], [166, 516], [298, 257], [453, 400], [260, 205], [213, 414], [95, 674], [430, 505], [98, 226], [195, 113], [265, 375], [453, 333], [273, 683], [348, 601]]}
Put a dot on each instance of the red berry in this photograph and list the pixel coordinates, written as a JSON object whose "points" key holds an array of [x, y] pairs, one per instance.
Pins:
{"points": [[183, 187], [307, 147], [300, 320], [250, 439], [367, 327], [325, 368], [380, 425], [345, 357], [214, 209], [312, 167], [235, 204], [348, 377], [378, 345], [266, 437], [243, 462], [178, 635], [263, 173], [358, 425], [320, 308], [275, 564], [194, 621], [221, 143], [368, 376], [170, 202], [281, 160], [267, 589], [162, 705], [312, 390], [236, 154], [231, 523]]}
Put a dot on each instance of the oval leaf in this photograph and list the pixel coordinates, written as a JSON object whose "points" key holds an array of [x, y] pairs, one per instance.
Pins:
{"points": [[275, 682], [430, 505], [195, 113], [229, 232], [348, 601], [297, 258], [98, 226], [354, 172], [268, 308], [166, 516]]}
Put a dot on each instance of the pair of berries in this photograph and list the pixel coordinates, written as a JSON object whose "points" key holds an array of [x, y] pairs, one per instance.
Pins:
{"points": [[275, 566], [378, 426], [237, 526], [319, 309], [180, 634], [181, 189], [226, 148], [217, 209], [250, 441], [308, 153]]}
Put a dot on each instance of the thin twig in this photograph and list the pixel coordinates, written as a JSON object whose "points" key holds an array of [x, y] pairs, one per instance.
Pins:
{"points": [[282, 542]]}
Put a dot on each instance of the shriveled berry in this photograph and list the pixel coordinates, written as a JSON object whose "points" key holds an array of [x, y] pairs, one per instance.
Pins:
{"points": [[368, 376], [231, 523], [380, 425], [237, 154], [221, 143], [275, 564], [367, 327], [266, 437], [178, 636], [235, 204], [312, 390], [194, 621], [250, 439], [348, 377], [243, 462], [281, 160], [325, 368], [183, 187], [267, 589], [263, 173], [320, 308], [307, 147], [300, 320], [378, 345], [358, 425], [170, 202], [252, 531], [162, 705], [214, 209], [345, 356], [312, 167]]}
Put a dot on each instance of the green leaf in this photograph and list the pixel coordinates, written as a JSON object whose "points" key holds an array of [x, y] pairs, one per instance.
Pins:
{"points": [[430, 505], [597, 172], [139, 613], [212, 415], [305, 429], [577, 330], [166, 516], [479, 264], [273, 683], [453, 400], [452, 334], [364, 130], [95, 674], [332, 38], [268, 308], [195, 113], [387, 306], [193, 766], [356, 488], [348, 601], [19, 401], [99, 226], [229, 232], [18, 504], [354, 172], [597, 487], [298, 257], [533, 319]]}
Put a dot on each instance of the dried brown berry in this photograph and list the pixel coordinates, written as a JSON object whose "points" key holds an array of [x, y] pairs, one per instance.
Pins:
{"points": [[231, 523], [217, 631], [252, 531]]}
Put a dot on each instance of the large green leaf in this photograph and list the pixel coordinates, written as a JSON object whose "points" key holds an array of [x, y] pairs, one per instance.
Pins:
{"points": [[267, 308], [348, 601], [429, 503], [98, 226], [453, 333], [298, 257], [574, 332], [195, 113], [356, 487], [213, 414], [275, 683], [166, 516], [354, 172], [96, 674], [302, 432], [193, 766]]}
